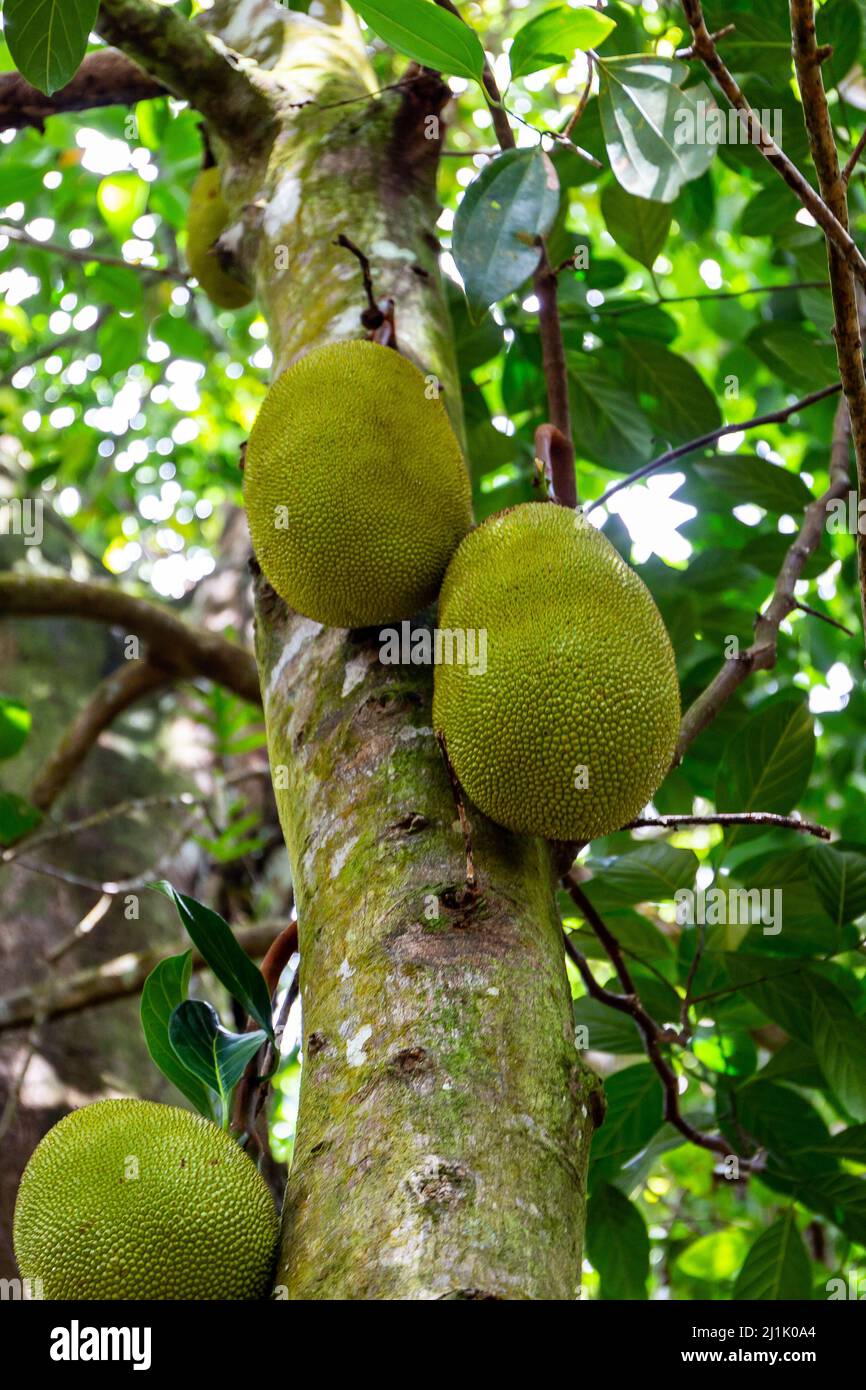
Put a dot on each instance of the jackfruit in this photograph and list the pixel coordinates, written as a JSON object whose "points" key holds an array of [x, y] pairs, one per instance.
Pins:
{"points": [[207, 218], [355, 487], [569, 725], [127, 1199]]}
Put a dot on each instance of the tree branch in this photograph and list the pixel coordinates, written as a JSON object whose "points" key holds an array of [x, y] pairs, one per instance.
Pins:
{"points": [[105, 78], [87, 257], [194, 66], [805, 827], [654, 1036], [761, 655], [849, 347], [128, 684], [115, 979], [835, 230], [774, 417], [173, 645]]}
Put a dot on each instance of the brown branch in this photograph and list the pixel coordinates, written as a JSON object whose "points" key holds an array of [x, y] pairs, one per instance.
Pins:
{"points": [[805, 827], [835, 230], [115, 979], [825, 618], [173, 645], [105, 78], [847, 330], [124, 687], [774, 417], [654, 1038], [87, 257], [194, 66], [761, 655]]}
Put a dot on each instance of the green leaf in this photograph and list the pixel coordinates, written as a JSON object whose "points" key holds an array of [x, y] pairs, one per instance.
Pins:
{"points": [[651, 127], [651, 874], [791, 353], [683, 405], [164, 989], [121, 198], [748, 478], [839, 1040], [554, 36], [634, 1113], [609, 426], [639, 225], [778, 1118], [607, 1029], [420, 30], [714, 1257], [777, 1266], [17, 817], [48, 38], [617, 1243], [839, 876], [14, 726], [767, 763], [213, 1054], [231, 965], [513, 201]]}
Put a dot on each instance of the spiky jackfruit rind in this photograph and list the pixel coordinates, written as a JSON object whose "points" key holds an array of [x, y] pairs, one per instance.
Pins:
{"points": [[355, 486], [573, 725], [128, 1199], [207, 219]]}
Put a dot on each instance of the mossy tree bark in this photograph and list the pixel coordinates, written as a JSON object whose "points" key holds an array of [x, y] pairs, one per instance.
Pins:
{"points": [[445, 1116]]}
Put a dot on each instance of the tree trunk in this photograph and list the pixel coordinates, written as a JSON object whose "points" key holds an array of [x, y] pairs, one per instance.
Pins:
{"points": [[444, 1118]]}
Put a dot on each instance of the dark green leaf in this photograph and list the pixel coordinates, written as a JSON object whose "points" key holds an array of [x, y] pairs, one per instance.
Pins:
{"points": [[617, 1243], [606, 1029], [216, 1056], [639, 225], [48, 38], [513, 201], [684, 406], [231, 965], [17, 817], [777, 1266], [747, 478], [839, 1040], [839, 877], [554, 36], [164, 989], [609, 426], [767, 763], [634, 1113], [433, 37], [652, 873]]}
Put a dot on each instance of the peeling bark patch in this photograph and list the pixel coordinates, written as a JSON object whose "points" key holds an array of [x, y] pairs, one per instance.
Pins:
{"points": [[356, 670], [410, 1062], [410, 824], [316, 1042], [441, 1182], [355, 1054]]}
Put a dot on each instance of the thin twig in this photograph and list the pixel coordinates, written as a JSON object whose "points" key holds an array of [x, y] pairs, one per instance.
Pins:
{"points": [[761, 655], [87, 257], [853, 158], [825, 618], [805, 827], [71, 339], [773, 417]]}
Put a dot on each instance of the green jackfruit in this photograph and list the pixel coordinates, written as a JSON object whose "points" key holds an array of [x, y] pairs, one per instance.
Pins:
{"points": [[572, 726], [126, 1199], [356, 491], [207, 218]]}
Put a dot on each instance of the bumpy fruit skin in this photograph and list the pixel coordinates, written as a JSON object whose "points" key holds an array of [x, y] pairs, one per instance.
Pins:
{"points": [[580, 674], [197, 1222], [207, 218], [356, 491]]}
